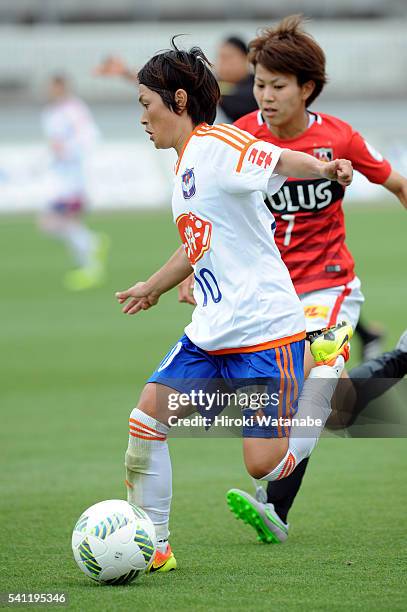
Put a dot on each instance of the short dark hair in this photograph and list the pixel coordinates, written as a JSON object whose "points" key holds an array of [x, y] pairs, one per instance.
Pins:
{"points": [[287, 48], [236, 42], [175, 69]]}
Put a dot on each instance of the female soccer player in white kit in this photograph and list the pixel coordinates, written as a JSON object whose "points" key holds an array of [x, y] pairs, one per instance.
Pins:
{"points": [[248, 326]]}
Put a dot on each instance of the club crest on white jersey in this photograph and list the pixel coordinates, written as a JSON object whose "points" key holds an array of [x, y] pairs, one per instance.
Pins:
{"points": [[188, 183]]}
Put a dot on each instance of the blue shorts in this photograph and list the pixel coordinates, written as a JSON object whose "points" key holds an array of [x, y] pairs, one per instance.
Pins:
{"points": [[277, 374]]}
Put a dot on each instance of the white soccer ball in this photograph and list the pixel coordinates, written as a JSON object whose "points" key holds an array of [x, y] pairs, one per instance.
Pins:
{"points": [[113, 542]]}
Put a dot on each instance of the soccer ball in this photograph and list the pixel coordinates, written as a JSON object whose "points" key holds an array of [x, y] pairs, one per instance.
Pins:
{"points": [[113, 542]]}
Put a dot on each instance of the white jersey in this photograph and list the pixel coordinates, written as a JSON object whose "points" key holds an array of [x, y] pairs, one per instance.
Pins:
{"points": [[71, 132], [245, 298]]}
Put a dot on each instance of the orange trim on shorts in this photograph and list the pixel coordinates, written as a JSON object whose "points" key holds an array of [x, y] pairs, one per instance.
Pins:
{"points": [[280, 392], [287, 411], [128, 484], [263, 346]]}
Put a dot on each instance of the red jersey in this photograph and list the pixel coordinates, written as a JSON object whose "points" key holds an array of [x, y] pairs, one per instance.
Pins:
{"points": [[310, 229]]}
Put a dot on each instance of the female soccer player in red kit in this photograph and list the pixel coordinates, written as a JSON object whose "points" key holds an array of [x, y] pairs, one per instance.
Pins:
{"points": [[310, 234]]}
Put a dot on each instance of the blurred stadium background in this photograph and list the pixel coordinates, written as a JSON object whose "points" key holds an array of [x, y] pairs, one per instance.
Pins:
{"points": [[73, 367], [364, 41]]}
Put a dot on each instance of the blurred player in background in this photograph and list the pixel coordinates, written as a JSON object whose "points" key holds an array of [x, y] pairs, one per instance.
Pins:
{"points": [[233, 72], [235, 79], [115, 66], [72, 133], [289, 75]]}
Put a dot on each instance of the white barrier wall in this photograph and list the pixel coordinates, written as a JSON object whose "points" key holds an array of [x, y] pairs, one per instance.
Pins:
{"points": [[364, 58], [119, 175]]}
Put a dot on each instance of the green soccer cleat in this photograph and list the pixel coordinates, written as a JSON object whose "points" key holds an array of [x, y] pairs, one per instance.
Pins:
{"points": [[102, 249], [84, 278], [262, 517], [328, 344]]}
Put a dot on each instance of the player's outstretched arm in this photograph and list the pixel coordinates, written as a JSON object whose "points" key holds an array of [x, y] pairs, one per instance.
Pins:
{"points": [[146, 294], [397, 184], [302, 165]]}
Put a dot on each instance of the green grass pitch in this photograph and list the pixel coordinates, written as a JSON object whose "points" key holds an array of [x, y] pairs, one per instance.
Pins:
{"points": [[72, 369]]}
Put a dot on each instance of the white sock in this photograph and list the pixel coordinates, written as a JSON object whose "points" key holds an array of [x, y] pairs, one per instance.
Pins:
{"points": [[314, 402], [148, 471], [82, 243]]}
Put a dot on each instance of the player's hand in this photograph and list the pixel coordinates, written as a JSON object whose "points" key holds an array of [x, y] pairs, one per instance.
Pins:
{"points": [[111, 66], [338, 170], [185, 290], [140, 297]]}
